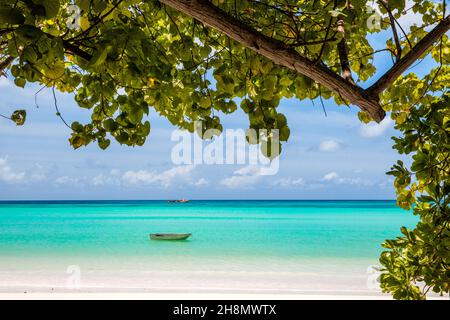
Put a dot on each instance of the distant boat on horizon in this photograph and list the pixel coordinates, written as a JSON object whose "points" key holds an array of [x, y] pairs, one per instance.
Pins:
{"points": [[169, 236], [179, 201]]}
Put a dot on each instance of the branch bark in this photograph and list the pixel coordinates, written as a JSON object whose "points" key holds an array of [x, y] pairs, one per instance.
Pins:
{"points": [[278, 52], [346, 71], [408, 59]]}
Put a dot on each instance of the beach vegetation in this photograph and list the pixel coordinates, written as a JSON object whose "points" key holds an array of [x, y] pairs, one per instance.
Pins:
{"points": [[418, 262]]}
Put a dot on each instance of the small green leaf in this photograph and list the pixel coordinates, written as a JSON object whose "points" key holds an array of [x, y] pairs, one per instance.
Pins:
{"points": [[77, 127], [11, 16], [19, 117], [104, 144], [20, 82], [98, 57], [51, 7]]}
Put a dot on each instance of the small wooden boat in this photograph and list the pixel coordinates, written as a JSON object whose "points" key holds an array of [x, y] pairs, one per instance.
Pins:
{"points": [[169, 236]]}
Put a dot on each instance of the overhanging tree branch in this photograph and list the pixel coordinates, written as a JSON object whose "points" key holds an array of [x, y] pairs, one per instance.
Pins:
{"points": [[404, 63], [278, 52]]}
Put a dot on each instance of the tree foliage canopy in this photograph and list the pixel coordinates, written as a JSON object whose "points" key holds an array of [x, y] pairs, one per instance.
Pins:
{"points": [[193, 60]]}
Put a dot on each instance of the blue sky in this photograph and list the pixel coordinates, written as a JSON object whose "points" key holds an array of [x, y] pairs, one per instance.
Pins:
{"points": [[327, 157]]}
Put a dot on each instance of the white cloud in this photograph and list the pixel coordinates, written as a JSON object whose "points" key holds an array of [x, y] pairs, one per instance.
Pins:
{"points": [[68, 180], [201, 182], [373, 130], [335, 178], [247, 171], [244, 177], [330, 145], [8, 175], [113, 178], [287, 182], [240, 181], [103, 179], [330, 176], [355, 181], [164, 178], [99, 180]]}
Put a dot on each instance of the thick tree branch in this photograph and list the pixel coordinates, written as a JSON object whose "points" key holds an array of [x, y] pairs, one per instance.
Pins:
{"points": [[416, 52], [278, 52]]}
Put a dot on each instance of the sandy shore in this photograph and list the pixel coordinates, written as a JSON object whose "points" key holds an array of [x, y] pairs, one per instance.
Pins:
{"points": [[128, 282], [143, 280], [190, 296], [183, 296]]}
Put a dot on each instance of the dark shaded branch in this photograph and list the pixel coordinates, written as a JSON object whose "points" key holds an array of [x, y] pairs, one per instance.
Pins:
{"points": [[346, 71], [394, 29], [312, 42], [77, 51]]}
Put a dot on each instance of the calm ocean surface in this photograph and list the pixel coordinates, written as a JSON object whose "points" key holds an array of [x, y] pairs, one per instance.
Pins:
{"points": [[250, 229]]}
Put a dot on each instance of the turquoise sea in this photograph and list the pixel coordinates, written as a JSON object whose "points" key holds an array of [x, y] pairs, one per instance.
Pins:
{"points": [[238, 236], [350, 229]]}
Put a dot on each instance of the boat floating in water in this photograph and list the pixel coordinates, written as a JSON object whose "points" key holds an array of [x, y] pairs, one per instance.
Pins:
{"points": [[178, 201], [169, 236]]}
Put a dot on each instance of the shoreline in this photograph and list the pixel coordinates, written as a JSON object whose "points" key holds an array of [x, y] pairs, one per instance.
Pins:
{"points": [[198, 294], [223, 280], [211, 293], [182, 296], [193, 296]]}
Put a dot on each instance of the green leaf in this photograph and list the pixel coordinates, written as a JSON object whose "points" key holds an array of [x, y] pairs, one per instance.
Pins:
{"points": [[77, 141], [28, 33], [104, 144], [11, 16], [29, 54], [77, 127], [19, 117], [285, 132], [20, 82], [110, 125], [51, 7], [98, 57]]}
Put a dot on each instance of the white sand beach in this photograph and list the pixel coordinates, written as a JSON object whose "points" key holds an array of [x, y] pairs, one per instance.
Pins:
{"points": [[225, 278], [190, 296], [350, 280]]}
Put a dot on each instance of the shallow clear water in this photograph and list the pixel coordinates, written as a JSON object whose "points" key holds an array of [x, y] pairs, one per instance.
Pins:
{"points": [[322, 229]]}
